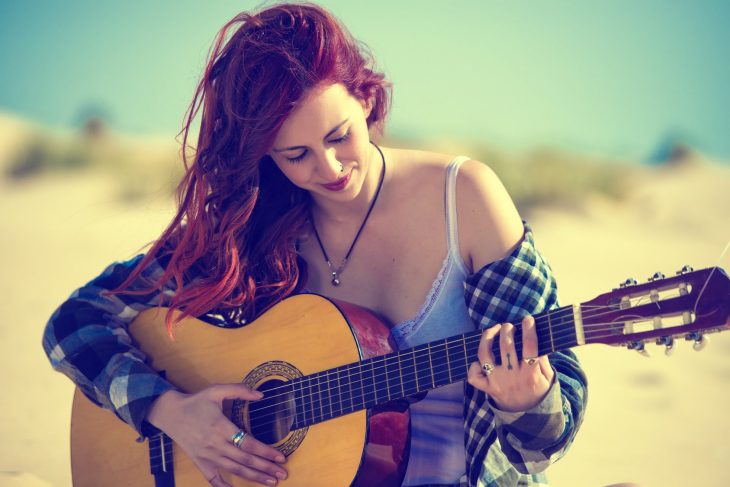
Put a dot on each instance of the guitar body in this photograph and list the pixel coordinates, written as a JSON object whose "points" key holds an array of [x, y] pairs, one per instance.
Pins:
{"points": [[303, 335]]}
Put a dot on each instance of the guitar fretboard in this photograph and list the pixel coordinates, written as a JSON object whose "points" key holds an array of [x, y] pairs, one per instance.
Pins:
{"points": [[375, 381]]}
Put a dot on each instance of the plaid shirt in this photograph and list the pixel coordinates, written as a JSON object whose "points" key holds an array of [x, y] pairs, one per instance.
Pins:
{"points": [[510, 449], [87, 339]]}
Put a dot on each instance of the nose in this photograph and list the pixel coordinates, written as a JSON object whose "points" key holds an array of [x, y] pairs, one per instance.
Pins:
{"points": [[329, 167]]}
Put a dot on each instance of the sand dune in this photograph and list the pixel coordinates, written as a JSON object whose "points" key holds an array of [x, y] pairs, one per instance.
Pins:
{"points": [[657, 422]]}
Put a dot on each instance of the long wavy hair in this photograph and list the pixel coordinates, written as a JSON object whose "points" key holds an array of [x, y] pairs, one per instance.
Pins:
{"points": [[231, 246]]}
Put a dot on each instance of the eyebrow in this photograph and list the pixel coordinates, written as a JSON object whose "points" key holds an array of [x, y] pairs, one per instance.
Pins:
{"points": [[326, 136]]}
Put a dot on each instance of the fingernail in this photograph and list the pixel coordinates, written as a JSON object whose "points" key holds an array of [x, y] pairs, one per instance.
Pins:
{"points": [[281, 475], [281, 459], [271, 481]]}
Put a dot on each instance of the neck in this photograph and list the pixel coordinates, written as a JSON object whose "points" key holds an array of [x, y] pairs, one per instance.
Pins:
{"points": [[336, 212]]}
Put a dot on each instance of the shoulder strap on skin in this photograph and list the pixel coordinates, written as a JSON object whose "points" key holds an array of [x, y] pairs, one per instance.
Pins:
{"points": [[452, 230]]}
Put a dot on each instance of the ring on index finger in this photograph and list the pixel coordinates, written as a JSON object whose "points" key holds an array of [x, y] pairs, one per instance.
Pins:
{"points": [[487, 368], [238, 437], [530, 360]]}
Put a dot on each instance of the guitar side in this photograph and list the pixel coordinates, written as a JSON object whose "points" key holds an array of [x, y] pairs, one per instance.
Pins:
{"points": [[308, 332]]}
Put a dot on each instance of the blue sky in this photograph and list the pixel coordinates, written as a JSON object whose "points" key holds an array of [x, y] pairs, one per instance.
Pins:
{"points": [[610, 77]]}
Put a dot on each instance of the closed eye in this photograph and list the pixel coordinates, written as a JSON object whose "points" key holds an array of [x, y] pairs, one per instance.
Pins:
{"points": [[338, 140]]}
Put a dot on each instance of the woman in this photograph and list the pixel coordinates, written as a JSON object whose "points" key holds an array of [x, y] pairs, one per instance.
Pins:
{"points": [[287, 193]]}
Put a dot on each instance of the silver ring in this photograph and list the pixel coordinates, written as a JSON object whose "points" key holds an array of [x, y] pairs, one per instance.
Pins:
{"points": [[238, 437], [487, 368], [530, 360]]}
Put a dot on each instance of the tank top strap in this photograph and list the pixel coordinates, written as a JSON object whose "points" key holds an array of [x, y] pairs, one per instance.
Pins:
{"points": [[452, 229]]}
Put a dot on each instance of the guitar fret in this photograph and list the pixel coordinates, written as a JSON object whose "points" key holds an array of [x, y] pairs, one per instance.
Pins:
{"points": [[550, 331], [393, 378], [448, 361], [328, 397], [370, 394], [298, 403], [400, 376], [415, 369], [387, 380], [409, 380], [466, 353], [309, 406], [362, 386], [343, 387], [439, 361], [423, 368], [318, 398], [457, 370], [430, 365], [335, 394]]}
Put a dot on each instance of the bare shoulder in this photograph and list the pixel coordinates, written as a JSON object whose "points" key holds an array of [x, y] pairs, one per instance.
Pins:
{"points": [[490, 226], [416, 169]]}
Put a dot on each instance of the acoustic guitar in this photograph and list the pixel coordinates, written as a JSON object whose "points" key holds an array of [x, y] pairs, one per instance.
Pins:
{"points": [[335, 386]]}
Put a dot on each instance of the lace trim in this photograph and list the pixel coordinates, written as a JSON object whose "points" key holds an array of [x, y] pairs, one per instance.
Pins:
{"points": [[405, 328]]}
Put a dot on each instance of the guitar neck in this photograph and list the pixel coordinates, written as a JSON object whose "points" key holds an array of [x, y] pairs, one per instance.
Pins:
{"points": [[378, 380]]}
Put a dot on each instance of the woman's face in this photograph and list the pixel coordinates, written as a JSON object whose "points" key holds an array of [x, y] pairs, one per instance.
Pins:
{"points": [[324, 145]]}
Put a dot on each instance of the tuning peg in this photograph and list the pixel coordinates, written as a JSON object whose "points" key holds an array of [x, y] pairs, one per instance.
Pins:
{"points": [[639, 347], [656, 277], [685, 270], [629, 282], [668, 342], [701, 341]]}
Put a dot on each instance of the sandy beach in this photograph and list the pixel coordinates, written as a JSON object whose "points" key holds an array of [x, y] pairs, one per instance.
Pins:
{"points": [[654, 422]]}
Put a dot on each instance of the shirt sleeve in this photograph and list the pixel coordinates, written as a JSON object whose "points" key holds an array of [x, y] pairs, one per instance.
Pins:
{"points": [[506, 291], [86, 339]]}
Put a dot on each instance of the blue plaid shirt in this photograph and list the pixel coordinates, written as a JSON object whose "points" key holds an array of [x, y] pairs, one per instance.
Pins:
{"points": [[87, 339]]}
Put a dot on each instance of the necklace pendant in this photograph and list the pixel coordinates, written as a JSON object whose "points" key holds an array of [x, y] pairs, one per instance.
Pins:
{"points": [[335, 280]]}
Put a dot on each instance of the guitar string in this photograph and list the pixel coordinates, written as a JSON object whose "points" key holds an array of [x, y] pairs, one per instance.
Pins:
{"points": [[714, 268], [591, 330], [321, 417], [565, 310], [378, 383], [325, 379]]}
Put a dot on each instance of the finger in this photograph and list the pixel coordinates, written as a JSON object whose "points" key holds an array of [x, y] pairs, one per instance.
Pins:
{"points": [[529, 338], [256, 447], [546, 368], [507, 346], [255, 462], [263, 450], [485, 344], [217, 481], [247, 472], [477, 378], [233, 391]]}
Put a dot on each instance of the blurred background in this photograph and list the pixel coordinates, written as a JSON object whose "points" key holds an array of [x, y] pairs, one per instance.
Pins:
{"points": [[607, 121]]}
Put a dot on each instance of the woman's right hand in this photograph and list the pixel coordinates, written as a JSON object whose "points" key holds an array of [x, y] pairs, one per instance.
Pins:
{"points": [[197, 424]]}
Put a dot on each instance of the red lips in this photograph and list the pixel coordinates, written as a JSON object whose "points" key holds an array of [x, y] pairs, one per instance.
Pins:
{"points": [[338, 185]]}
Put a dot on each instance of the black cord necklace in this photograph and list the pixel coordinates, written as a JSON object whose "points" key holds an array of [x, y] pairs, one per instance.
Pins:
{"points": [[336, 271]]}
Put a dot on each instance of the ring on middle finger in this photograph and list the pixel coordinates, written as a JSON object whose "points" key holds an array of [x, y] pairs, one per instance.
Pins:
{"points": [[487, 368], [238, 437]]}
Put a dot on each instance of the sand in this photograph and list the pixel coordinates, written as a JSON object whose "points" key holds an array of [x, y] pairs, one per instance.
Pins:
{"points": [[655, 422]]}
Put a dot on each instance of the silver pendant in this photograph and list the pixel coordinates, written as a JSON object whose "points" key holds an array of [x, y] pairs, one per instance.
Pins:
{"points": [[335, 279]]}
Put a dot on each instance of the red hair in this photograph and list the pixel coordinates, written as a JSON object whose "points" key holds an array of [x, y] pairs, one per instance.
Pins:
{"points": [[231, 245]]}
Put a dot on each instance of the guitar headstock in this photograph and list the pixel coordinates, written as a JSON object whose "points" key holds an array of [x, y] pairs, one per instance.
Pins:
{"points": [[687, 305]]}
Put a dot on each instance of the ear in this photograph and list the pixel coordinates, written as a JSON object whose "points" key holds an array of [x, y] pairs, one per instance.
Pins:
{"points": [[367, 106]]}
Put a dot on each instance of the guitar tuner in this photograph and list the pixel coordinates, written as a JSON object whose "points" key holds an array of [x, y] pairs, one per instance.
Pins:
{"points": [[628, 282], [668, 342], [639, 347], [700, 340], [657, 276], [685, 270]]}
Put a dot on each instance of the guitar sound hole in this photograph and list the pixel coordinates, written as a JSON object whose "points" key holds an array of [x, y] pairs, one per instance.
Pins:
{"points": [[272, 417]]}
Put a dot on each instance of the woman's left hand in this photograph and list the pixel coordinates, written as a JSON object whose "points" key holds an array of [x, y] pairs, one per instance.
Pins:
{"points": [[515, 385]]}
